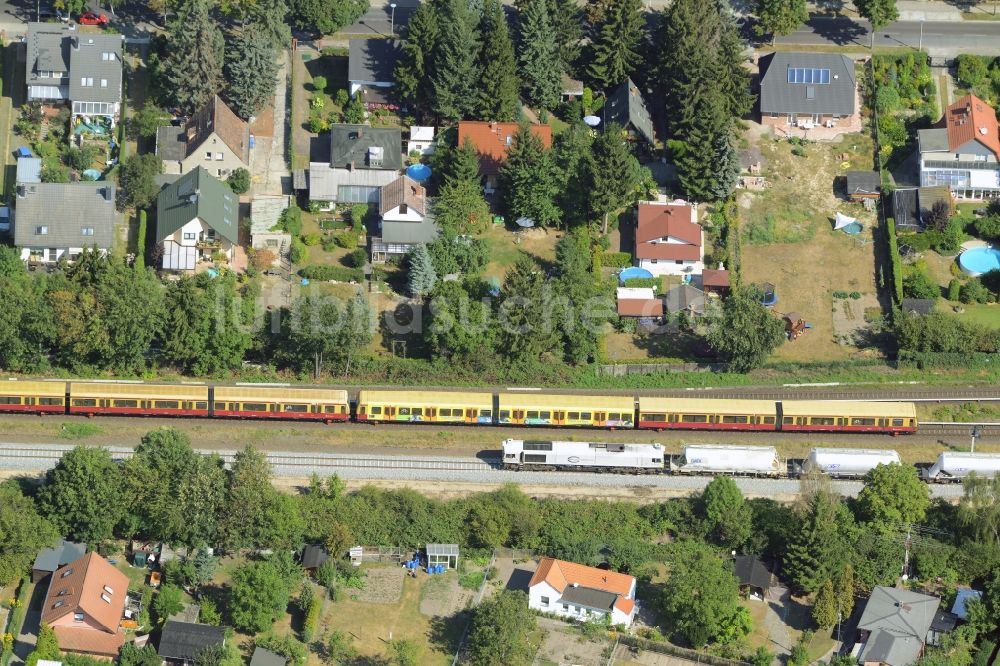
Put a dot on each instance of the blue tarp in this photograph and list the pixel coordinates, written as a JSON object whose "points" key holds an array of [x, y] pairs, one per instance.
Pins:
{"points": [[23, 152]]}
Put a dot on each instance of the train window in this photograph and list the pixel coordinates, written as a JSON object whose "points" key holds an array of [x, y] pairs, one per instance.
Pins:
{"points": [[694, 418], [316, 409], [897, 422], [50, 401], [822, 420], [534, 457], [376, 410], [585, 416], [201, 404], [417, 411], [788, 420], [444, 411], [660, 418], [862, 422], [404, 411], [769, 420], [656, 460], [298, 409], [220, 406], [545, 415], [487, 413], [532, 415], [573, 416], [9, 400], [614, 416], [537, 446], [125, 403], [330, 409], [84, 402], [166, 404], [254, 407], [504, 414], [735, 419]]}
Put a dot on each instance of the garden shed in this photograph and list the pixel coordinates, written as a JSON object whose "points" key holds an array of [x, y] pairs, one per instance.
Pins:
{"points": [[443, 553]]}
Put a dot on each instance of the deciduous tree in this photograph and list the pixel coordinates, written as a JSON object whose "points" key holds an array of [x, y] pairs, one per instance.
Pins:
{"points": [[701, 595], [780, 17], [168, 601], [22, 533], [137, 186], [500, 630], [979, 509], [258, 595], [727, 516], [248, 498], [879, 13], [894, 494], [82, 495], [325, 16], [745, 332]]}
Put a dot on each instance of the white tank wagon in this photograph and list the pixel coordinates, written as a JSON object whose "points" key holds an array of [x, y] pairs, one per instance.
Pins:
{"points": [[543, 455], [722, 459], [952, 467], [847, 463]]}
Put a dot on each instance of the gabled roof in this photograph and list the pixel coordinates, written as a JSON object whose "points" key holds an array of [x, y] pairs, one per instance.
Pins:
{"points": [[751, 571], [364, 147], [562, 575], [659, 221], [178, 143], [626, 108], [779, 95], [47, 50], [61, 553], [922, 306], [714, 278], [65, 210], [262, 657], [492, 140], [314, 556], [685, 297], [899, 620], [83, 586], [403, 190], [640, 307], [198, 194], [87, 59], [972, 119], [372, 59], [182, 641]]}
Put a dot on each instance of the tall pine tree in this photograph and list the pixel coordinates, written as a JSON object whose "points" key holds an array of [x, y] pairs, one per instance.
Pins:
{"points": [[416, 62], [567, 24], [617, 174], [538, 60], [498, 85], [615, 44], [269, 17], [421, 275], [455, 71], [529, 180], [193, 66], [251, 72]]}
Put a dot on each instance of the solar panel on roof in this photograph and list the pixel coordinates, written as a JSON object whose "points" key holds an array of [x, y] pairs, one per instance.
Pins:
{"points": [[808, 75]]}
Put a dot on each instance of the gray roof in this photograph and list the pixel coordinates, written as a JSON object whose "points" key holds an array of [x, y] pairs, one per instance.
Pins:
{"points": [[325, 183], [626, 107], [906, 208], [171, 143], [29, 169], [262, 657], [198, 194], [589, 597], [898, 621], [863, 182], [933, 140], [314, 556], [685, 297], [351, 146], [751, 571], [47, 49], [265, 212], [777, 95], [396, 231], [373, 59], [61, 554], [963, 595], [917, 305], [184, 640], [442, 549], [87, 60], [65, 209]]}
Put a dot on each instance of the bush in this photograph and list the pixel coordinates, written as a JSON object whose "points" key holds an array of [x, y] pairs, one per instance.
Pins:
{"points": [[971, 70], [799, 151], [358, 257], [954, 289], [653, 282], [341, 97], [311, 620], [347, 240], [291, 220], [974, 291], [895, 261], [312, 240], [319, 84], [299, 253], [472, 580], [616, 259], [140, 241], [324, 272], [359, 212], [918, 284], [239, 181]]}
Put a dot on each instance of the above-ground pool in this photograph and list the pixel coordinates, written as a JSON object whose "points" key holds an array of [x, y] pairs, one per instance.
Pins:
{"points": [[633, 272], [418, 172], [979, 260]]}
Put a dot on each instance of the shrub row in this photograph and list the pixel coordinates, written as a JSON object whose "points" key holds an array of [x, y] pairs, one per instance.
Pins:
{"points": [[654, 282], [310, 622], [929, 360], [616, 259], [324, 272], [895, 262]]}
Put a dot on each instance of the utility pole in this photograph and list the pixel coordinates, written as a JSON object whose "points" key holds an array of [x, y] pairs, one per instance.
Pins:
{"points": [[392, 20], [906, 552], [921, 47], [977, 430]]}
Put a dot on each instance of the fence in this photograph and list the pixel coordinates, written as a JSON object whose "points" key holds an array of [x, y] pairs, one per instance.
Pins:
{"points": [[392, 554], [624, 369], [475, 602], [675, 651], [513, 553]]}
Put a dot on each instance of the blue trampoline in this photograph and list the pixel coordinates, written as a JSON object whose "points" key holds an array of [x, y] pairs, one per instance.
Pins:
{"points": [[418, 172], [633, 272]]}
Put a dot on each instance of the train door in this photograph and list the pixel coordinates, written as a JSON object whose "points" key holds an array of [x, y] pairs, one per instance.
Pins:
{"points": [[559, 418], [518, 416], [600, 418], [390, 413], [470, 416]]}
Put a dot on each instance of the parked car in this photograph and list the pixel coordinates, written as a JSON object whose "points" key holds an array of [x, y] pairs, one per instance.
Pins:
{"points": [[90, 18]]}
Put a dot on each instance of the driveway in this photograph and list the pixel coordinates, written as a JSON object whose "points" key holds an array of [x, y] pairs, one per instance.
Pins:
{"points": [[268, 169], [26, 640]]}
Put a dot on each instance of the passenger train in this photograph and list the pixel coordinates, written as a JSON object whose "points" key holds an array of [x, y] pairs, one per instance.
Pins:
{"points": [[93, 398]]}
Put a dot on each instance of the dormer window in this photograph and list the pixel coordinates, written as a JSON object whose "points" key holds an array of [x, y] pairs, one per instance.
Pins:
{"points": [[402, 209], [106, 598], [68, 571], [78, 617], [62, 592], [108, 589], [58, 604]]}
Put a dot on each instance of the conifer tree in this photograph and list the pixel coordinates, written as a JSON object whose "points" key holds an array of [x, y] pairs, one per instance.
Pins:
{"points": [[460, 206], [454, 73], [193, 66], [615, 44], [818, 548], [572, 154], [616, 174], [528, 180], [421, 276], [725, 166], [412, 75], [498, 86], [538, 60], [844, 586], [251, 72], [824, 610], [566, 23], [269, 17]]}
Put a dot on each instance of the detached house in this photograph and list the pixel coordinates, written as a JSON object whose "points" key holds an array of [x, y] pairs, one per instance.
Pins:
{"points": [[406, 220], [668, 239], [84, 606], [582, 593], [64, 64], [214, 138], [894, 626], [963, 151], [370, 70], [808, 91], [197, 216], [492, 141], [55, 220], [626, 108], [362, 160]]}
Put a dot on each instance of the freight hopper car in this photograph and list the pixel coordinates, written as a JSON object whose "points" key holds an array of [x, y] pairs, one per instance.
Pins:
{"points": [[847, 463], [720, 459], [611, 457], [954, 467]]}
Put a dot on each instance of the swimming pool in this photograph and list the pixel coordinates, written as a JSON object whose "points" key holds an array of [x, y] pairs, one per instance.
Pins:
{"points": [[979, 260]]}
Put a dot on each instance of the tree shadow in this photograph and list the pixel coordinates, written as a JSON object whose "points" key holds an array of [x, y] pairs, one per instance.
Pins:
{"points": [[840, 30], [446, 631], [519, 579]]}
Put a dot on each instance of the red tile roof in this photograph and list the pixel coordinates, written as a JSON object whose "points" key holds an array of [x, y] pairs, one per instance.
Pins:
{"points": [[89, 641], [492, 140], [82, 586], [972, 119], [657, 221], [640, 307], [561, 574], [714, 278]]}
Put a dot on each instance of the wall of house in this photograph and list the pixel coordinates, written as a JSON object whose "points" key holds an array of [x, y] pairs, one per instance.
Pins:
{"points": [[782, 120], [220, 168], [194, 232], [46, 254], [672, 267], [394, 215], [424, 147], [69, 620], [355, 86]]}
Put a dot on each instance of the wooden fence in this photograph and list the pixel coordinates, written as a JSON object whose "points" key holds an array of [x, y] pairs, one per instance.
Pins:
{"points": [[625, 369], [675, 651]]}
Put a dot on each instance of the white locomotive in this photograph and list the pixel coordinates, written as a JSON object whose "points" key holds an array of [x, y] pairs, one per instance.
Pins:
{"points": [[520, 454]]}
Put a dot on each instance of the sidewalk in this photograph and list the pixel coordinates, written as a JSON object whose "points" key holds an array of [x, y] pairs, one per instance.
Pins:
{"points": [[909, 10]]}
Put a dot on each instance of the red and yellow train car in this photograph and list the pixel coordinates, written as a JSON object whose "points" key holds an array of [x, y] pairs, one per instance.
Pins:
{"points": [[425, 407], [706, 414], [33, 397], [848, 416], [279, 402], [91, 398]]}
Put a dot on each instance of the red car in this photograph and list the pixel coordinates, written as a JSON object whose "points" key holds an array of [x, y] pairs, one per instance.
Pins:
{"points": [[90, 18]]}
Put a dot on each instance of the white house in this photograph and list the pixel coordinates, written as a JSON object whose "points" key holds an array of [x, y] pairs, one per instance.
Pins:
{"points": [[579, 592], [197, 219], [56, 220], [405, 219], [421, 140], [668, 239], [963, 151]]}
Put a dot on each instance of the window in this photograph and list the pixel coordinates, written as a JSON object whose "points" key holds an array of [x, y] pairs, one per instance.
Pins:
{"points": [[376, 410], [897, 422], [219, 157], [83, 402], [44, 75], [534, 457], [105, 598], [254, 407], [661, 418], [104, 83], [504, 414], [201, 405], [486, 413], [208, 155], [55, 401], [189, 235], [42, 231], [545, 415], [70, 571], [545, 601], [808, 75], [87, 81], [694, 418], [402, 209], [58, 604], [537, 446], [86, 231], [62, 592], [418, 411], [124, 403], [679, 261], [78, 617], [862, 422], [166, 404], [532, 414], [823, 420], [734, 419], [585, 416], [565, 607], [297, 408]]}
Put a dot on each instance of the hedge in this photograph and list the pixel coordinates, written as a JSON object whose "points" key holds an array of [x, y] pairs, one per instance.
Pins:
{"points": [[616, 259], [654, 282], [310, 623], [895, 262], [140, 241], [324, 272], [16, 618], [927, 360]]}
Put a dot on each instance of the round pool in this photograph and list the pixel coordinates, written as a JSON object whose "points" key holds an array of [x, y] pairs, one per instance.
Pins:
{"points": [[979, 260], [418, 172]]}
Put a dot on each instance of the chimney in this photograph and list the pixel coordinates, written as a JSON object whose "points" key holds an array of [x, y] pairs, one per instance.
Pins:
{"points": [[106, 191], [576, 585]]}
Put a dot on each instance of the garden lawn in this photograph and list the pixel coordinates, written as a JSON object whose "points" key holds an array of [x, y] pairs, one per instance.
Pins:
{"points": [[506, 246], [986, 314]]}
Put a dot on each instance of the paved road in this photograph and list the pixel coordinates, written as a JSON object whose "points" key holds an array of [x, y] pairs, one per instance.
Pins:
{"points": [[947, 38]]}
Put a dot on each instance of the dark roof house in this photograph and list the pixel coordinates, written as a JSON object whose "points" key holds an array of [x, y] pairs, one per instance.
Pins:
{"points": [[752, 574], [626, 108], [64, 215], [685, 298], [180, 642], [262, 657], [60, 554], [807, 83], [863, 184], [894, 626], [371, 65], [212, 129], [313, 557], [364, 147], [923, 306]]}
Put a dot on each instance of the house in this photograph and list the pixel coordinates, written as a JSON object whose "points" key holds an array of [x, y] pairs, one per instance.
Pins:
{"points": [[640, 302], [262, 657], [687, 299], [962, 596], [626, 108], [362, 160], [55, 220], [370, 70], [893, 628], [912, 206], [214, 138], [808, 90], [753, 577], [668, 239], [715, 281], [571, 88], [197, 216], [442, 553], [181, 642], [313, 558], [491, 141], [421, 140], [84, 606], [582, 593], [64, 64], [963, 151], [863, 185], [406, 221], [60, 554]]}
